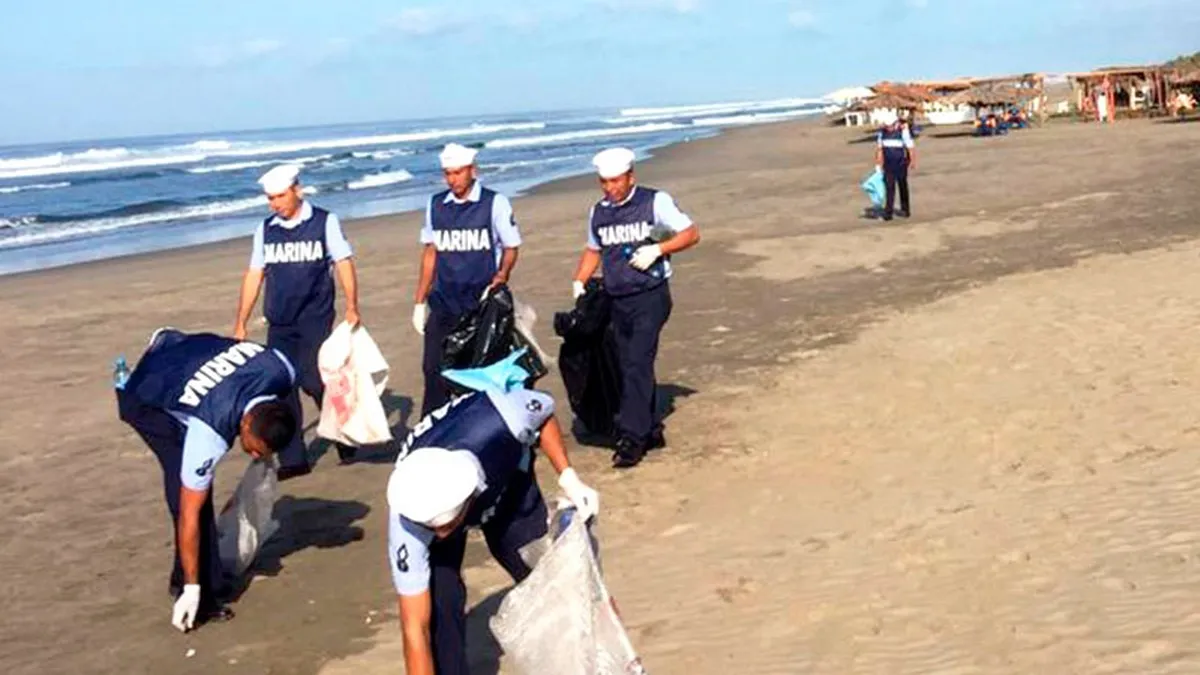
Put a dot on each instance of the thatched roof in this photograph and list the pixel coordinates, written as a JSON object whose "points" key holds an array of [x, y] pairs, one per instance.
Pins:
{"points": [[888, 100], [989, 94], [1189, 77], [911, 92]]}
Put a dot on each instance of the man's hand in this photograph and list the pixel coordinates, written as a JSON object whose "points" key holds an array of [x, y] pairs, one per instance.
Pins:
{"points": [[577, 289], [352, 317], [420, 316], [585, 499], [645, 256], [499, 280], [186, 607], [239, 331]]}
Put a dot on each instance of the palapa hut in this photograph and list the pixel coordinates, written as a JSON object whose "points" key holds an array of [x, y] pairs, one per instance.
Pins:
{"points": [[891, 99], [1184, 91], [1105, 93]]}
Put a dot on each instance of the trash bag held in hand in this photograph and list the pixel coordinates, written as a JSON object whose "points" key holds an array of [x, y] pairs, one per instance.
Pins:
{"points": [[247, 521], [587, 360], [490, 333], [355, 375], [873, 185]]}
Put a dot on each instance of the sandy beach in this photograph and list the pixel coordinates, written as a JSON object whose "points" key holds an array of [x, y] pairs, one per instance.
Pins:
{"points": [[960, 443]]}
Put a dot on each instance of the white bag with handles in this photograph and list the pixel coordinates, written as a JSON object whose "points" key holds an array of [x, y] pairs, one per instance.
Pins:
{"points": [[355, 375], [247, 521]]}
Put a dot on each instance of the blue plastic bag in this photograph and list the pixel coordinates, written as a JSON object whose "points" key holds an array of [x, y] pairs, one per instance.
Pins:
{"points": [[874, 187]]}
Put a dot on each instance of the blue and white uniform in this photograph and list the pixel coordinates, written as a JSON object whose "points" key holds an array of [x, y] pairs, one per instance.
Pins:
{"points": [[186, 399], [470, 236], [499, 430], [297, 257], [641, 299], [896, 142]]}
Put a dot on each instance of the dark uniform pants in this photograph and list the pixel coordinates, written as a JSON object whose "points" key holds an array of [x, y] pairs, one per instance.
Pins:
{"points": [[164, 434], [895, 175], [637, 322], [439, 325], [300, 343], [520, 518]]}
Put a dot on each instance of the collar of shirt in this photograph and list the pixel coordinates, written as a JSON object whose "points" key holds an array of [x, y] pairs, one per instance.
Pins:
{"points": [[472, 196], [623, 202], [302, 215]]}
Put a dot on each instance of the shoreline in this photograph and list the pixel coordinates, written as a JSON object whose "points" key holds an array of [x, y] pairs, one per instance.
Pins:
{"points": [[552, 186]]}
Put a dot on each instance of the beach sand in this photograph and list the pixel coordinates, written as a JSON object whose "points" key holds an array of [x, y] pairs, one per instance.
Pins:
{"points": [[956, 444]]}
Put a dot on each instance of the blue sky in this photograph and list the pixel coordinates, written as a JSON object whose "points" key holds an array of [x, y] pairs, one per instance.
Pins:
{"points": [[88, 69]]}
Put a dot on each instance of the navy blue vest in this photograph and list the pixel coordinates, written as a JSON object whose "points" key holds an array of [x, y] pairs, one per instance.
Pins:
{"points": [[892, 137], [208, 376], [466, 246], [299, 280], [473, 423], [620, 229]]}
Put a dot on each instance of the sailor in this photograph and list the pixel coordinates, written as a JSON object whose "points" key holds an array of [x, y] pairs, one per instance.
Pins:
{"points": [[469, 464], [470, 243], [189, 398], [895, 153], [632, 233], [295, 252]]}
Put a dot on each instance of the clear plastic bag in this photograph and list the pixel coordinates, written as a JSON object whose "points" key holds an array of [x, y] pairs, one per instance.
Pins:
{"points": [[561, 619], [247, 521]]}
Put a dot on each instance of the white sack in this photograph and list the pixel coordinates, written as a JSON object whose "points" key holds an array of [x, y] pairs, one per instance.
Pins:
{"points": [[561, 619], [247, 521], [355, 375]]}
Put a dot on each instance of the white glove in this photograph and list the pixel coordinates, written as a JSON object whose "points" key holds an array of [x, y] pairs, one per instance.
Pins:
{"points": [[186, 608], [585, 499], [576, 289], [420, 316], [645, 256]]}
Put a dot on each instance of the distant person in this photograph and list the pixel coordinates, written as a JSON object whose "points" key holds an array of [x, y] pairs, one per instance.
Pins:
{"points": [[895, 153], [470, 243], [296, 252], [620, 241], [469, 465], [189, 398]]}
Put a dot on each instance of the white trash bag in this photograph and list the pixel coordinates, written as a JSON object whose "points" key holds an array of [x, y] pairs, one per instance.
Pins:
{"points": [[355, 375], [247, 521], [561, 619]]}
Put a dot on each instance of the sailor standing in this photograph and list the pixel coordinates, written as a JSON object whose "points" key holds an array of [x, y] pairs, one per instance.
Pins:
{"points": [[295, 253], [470, 243], [636, 268], [896, 153]]}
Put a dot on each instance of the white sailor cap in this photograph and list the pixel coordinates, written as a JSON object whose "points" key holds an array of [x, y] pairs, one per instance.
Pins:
{"points": [[613, 162], [279, 179], [455, 156], [430, 485]]}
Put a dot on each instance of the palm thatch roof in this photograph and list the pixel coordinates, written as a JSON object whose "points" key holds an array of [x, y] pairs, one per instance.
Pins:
{"points": [[1186, 77], [989, 94], [912, 92], [889, 100]]}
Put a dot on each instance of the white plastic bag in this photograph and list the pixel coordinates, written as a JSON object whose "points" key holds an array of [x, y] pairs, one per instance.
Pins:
{"points": [[355, 375], [247, 521], [561, 619]]}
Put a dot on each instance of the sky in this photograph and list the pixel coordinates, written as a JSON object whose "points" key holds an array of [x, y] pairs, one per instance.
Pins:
{"points": [[82, 69]]}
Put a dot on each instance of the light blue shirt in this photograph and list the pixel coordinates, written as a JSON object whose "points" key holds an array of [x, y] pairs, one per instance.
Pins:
{"points": [[335, 240], [504, 225], [666, 214], [203, 448]]}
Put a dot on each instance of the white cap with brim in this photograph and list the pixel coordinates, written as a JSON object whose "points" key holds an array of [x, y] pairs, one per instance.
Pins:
{"points": [[455, 156], [431, 485], [613, 162], [279, 179]]}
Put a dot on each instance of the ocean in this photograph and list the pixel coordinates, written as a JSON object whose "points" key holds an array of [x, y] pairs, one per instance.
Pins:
{"points": [[67, 203]]}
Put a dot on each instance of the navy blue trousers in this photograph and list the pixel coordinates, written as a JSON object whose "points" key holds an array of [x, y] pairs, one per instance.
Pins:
{"points": [[164, 434], [637, 322], [300, 343], [520, 518], [437, 394], [895, 176]]}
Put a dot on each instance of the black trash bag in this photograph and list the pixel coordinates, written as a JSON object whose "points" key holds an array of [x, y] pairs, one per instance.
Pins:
{"points": [[587, 360], [486, 335]]}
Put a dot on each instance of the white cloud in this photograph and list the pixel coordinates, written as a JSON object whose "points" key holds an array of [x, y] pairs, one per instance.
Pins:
{"points": [[802, 18], [917, 4], [677, 6], [217, 56], [426, 21]]}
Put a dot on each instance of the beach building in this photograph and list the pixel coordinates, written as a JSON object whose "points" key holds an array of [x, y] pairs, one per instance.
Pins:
{"points": [[1107, 93]]}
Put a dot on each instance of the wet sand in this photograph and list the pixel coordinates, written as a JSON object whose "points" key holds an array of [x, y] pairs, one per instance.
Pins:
{"points": [[960, 443]]}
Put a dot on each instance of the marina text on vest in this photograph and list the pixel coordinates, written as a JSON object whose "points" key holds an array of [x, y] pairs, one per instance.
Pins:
{"points": [[217, 369]]}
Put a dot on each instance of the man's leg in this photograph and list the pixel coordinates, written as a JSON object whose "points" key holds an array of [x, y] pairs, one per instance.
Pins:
{"points": [[663, 311], [638, 321], [448, 625], [293, 460], [436, 393], [519, 522], [164, 435], [902, 183], [889, 188]]}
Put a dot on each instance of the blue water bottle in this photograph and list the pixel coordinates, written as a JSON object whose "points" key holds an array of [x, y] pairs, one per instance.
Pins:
{"points": [[120, 372], [562, 519]]}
